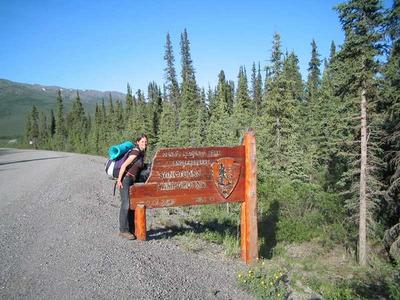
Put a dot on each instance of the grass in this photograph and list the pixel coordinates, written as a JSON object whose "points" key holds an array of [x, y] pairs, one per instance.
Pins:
{"points": [[314, 265], [316, 272], [303, 249]]}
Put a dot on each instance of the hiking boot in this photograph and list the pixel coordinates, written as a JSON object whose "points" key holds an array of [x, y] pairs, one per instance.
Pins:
{"points": [[127, 235]]}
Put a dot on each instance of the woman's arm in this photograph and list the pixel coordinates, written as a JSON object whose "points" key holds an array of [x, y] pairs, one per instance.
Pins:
{"points": [[128, 161]]}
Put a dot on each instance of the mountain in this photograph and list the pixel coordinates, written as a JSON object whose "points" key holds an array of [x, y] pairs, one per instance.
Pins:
{"points": [[16, 100]]}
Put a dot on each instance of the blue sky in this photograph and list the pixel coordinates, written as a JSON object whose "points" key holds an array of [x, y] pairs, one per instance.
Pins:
{"points": [[103, 45]]}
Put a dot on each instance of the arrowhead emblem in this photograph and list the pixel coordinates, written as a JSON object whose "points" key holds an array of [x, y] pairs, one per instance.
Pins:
{"points": [[225, 173]]}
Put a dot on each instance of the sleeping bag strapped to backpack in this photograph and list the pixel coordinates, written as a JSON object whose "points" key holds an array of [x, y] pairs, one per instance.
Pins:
{"points": [[117, 151]]}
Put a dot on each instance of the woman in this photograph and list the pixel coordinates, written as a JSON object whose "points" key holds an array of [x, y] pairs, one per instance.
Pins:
{"points": [[128, 174]]}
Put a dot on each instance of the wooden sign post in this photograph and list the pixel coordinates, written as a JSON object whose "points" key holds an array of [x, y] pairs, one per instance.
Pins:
{"points": [[198, 176]]}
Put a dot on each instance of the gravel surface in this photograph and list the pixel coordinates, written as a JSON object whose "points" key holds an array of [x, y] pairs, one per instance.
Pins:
{"points": [[58, 239]]}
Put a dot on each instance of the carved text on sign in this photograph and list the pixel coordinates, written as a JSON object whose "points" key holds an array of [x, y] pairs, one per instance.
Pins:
{"points": [[191, 154], [226, 175], [180, 174], [163, 202], [201, 162], [182, 185]]}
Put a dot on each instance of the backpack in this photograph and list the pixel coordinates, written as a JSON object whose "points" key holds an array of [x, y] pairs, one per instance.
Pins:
{"points": [[113, 166]]}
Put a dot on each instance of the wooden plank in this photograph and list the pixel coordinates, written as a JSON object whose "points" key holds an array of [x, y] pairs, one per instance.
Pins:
{"points": [[140, 222], [179, 173], [243, 232], [163, 194], [214, 153], [249, 207], [184, 200]]}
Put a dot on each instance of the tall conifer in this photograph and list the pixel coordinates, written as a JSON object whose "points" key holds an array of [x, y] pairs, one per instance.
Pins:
{"points": [[189, 96], [60, 130], [167, 131], [243, 108], [390, 104], [220, 131], [128, 103], [172, 86], [362, 22], [44, 132]]}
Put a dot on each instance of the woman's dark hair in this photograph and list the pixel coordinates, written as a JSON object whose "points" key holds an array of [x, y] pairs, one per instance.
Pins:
{"points": [[142, 135]]}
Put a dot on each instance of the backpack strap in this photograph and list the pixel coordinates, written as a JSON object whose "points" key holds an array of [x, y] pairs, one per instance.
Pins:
{"points": [[115, 187]]}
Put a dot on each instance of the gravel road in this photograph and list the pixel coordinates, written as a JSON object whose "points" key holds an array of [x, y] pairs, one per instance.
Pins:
{"points": [[58, 239]]}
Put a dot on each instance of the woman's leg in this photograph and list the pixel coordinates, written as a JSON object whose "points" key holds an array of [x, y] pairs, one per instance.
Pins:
{"points": [[124, 212]]}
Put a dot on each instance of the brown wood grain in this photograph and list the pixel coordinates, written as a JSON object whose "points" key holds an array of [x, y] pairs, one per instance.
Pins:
{"points": [[199, 153], [249, 223], [150, 195]]}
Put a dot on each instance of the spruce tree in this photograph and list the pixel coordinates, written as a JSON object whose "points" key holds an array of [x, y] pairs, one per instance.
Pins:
{"points": [[44, 132], [332, 51], [312, 108], [220, 131], [167, 132], [280, 155], [390, 104], [28, 128], [60, 135], [155, 109], [314, 73], [243, 108], [293, 77], [172, 85], [256, 89], [77, 127], [189, 96], [104, 141], [52, 126], [362, 21], [142, 117], [128, 103], [94, 141], [199, 135], [34, 133]]}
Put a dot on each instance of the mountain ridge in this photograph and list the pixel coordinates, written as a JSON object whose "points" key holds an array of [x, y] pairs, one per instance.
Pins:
{"points": [[16, 100]]}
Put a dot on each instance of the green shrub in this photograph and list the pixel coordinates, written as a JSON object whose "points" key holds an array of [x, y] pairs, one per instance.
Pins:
{"points": [[299, 211], [332, 290]]}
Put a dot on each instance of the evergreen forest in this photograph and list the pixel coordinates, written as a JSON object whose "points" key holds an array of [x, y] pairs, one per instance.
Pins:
{"points": [[328, 146]]}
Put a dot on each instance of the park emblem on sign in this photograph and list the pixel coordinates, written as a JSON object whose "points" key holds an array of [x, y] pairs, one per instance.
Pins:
{"points": [[226, 175]]}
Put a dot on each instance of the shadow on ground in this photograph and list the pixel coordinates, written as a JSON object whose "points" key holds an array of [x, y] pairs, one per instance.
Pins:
{"points": [[267, 228], [223, 228], [29, 160]]}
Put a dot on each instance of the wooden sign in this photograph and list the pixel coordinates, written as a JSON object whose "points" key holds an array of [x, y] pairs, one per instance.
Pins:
{"points": [[198, 176], [193, 176]]}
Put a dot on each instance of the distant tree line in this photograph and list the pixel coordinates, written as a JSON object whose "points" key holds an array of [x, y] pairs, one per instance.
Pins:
{"points": [[328, 147]]}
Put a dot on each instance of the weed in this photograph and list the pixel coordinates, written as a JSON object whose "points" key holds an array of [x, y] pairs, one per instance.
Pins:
{"points": [[263, 283]]}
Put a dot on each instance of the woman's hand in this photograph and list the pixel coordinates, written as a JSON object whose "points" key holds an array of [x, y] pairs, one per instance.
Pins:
{"points": [[128, 161], [119, 184]]}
